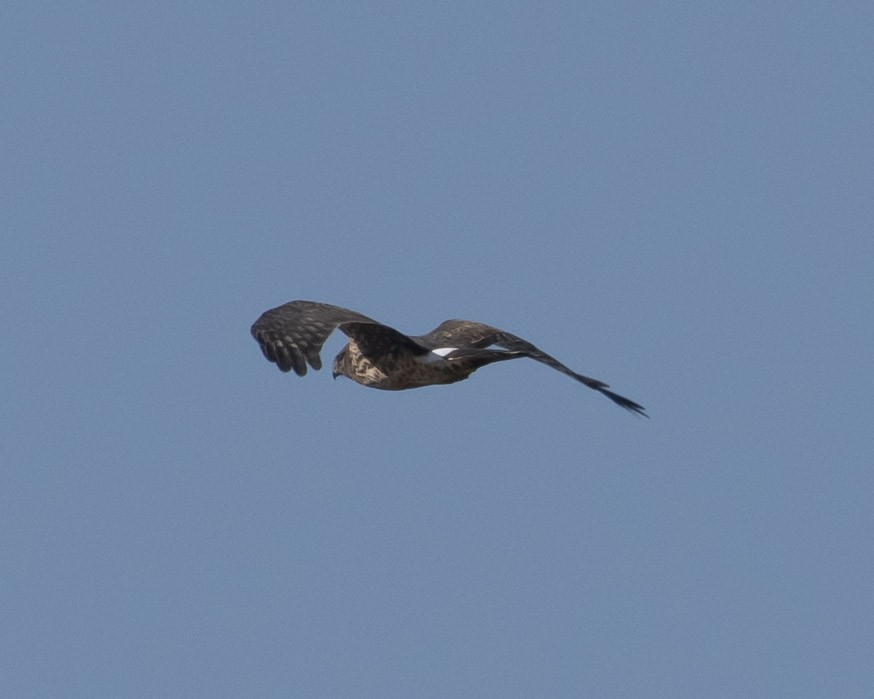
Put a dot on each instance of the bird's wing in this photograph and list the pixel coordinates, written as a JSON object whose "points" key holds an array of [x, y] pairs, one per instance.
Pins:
{"points": [[292, 335], [377, 341], [470, 335]]}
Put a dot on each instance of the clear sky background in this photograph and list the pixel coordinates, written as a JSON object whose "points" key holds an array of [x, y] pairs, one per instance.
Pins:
{"points": [[676, 198]]}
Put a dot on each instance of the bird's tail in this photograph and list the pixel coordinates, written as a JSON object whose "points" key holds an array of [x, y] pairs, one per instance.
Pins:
{"points": [[622, 401]]}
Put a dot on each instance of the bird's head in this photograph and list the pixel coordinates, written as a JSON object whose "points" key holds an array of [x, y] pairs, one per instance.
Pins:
{"points": [[340, 362]]}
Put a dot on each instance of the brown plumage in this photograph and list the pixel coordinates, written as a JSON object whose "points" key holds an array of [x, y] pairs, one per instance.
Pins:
{"points": [[378, 356]]}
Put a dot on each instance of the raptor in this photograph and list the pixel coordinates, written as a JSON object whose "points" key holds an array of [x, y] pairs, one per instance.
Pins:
{"points": [[378, 356]]}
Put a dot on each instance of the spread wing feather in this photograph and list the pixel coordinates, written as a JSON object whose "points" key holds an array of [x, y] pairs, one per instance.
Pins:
{"points": [[292, 335]]}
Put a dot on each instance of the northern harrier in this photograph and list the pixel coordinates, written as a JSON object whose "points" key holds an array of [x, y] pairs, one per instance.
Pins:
{"points": [[378, 356]]}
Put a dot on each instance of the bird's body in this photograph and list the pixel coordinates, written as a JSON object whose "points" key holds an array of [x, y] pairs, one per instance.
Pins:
{"points": [[379, 356], [407, 370], [388, 373]]}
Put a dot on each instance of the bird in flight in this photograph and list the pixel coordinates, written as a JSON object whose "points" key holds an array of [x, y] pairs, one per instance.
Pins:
{"points": [[292, 335]]}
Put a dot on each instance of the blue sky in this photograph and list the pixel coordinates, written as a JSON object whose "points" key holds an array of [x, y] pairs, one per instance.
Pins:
{"points": [[675, 198]]}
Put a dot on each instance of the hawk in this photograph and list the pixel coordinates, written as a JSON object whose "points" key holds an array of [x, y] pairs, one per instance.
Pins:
{"points": [[292, 335]]}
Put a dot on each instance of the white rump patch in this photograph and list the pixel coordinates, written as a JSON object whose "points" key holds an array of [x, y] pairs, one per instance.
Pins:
{"points": [[437, 355]]}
